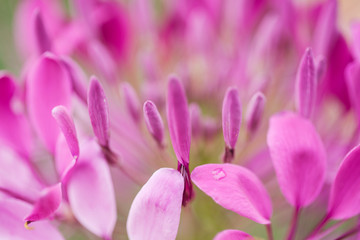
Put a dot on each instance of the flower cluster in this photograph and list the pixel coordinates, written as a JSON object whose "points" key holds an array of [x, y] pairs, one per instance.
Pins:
{"points": [[98, 140]]}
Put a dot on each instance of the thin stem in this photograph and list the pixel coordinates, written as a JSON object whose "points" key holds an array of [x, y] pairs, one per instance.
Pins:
{"points": [[319, 226], [294, 222], [269, 231], [352, 231]]}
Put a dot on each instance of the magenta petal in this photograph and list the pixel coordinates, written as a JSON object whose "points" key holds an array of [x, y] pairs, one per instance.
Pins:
{"points": [[155, 211], [352, 76], [154, 122], [232, 234], [179, 120], [98, 111], [345, 194], [90, 192], [306, 85], [46, 205], [63, 157], [195, 117], [255, 111], [131, 101], [231, 117], [235, 188], [48, 85], [298, 156], [43, 43], [67, 126], [12, 223], [325, 28], [77, 76], [15, 130]]}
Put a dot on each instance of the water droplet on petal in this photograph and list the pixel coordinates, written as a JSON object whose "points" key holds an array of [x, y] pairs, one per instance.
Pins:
{"points": [[218, 173]]}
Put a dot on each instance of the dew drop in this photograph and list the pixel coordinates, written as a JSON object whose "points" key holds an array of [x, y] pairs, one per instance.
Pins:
{"points": [[218, 173]]}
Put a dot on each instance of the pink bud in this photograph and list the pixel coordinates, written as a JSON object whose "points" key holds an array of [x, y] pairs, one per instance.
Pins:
{"points": [[179, 120], [320, 66], [231, 234], [155, 211], [46, 205], [231, 119], [67, 126], [255, 111], [306, 85], [48, 85], [131, 101], [235, 188], [154, 122], [98, 111], [298, 156], [195, 116], [42, 40], [345, 194]]}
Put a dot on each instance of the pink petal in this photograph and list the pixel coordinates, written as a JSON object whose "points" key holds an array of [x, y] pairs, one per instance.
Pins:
{"points": [[98, 111], [306, 85], [195, 117], [77, 76], [325, 28], [91, 193], [352, 76], [101, 59], [231, 117], [355, 32], [48, 85], [64, 160], [255, 111], [12, 223], [345, 194], [155, 211], [178, 120], [235, 188], [42, 40], [131, 101], [15, 131], [46, 205], [231, 234], [298, 156], [67, 126], [154, 122]]}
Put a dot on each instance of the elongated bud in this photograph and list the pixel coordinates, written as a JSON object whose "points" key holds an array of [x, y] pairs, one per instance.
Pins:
{"points": [[305, 89], [67, 126], [231, 120], [132, 101], [99, 112], [232, 234], [254, 112], [43, 42], [180, 131], [46, 205], [178, 120], [153, 121], [352, 77]]}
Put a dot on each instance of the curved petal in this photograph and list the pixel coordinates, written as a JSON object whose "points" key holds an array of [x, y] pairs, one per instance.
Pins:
{"points": [[155, 211], [345, 194], [255, 111], [298, 156], [352, 76], [48, 85], [67, 126], [15, 130], [12, 214], [46, 205], [91, 193], [235, 188], [178, 120], [231, 234], [99, 111]]}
